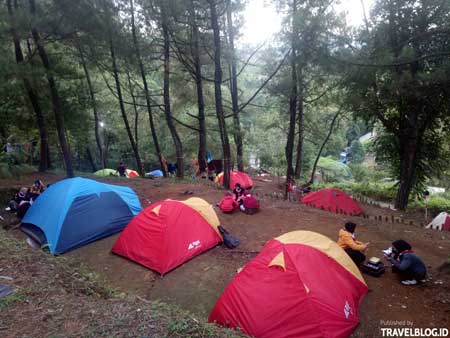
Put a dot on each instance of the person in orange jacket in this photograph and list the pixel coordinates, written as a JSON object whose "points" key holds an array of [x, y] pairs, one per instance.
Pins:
{"points": [[347, 241]]}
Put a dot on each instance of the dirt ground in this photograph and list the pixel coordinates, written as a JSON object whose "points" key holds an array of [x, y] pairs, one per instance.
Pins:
{"points": [[196, 285]]}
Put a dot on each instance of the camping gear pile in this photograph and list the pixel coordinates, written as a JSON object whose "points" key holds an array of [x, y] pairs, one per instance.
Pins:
{"points": [[373, 267]]}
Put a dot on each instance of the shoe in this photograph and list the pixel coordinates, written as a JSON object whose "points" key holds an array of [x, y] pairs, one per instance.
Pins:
{"points": [[8, 209], [409, 282]]}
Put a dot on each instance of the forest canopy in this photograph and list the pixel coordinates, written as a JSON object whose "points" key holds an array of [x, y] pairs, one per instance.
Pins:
{"points": [[91, 83]]}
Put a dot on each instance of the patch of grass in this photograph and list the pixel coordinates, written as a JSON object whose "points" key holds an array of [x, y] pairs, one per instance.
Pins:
{"points": [[67, 299], [11, 299]]}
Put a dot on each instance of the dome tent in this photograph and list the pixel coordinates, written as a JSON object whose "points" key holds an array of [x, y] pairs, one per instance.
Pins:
{"points": [[155, 173], [132, 173], [168, 233], [302, 284], [237, 177], [333, 200], [440, 222], [106, 172], [76, 211]]}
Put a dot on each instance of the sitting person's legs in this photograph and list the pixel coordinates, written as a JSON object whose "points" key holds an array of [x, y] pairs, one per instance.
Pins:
{"points": [[357, 256]]}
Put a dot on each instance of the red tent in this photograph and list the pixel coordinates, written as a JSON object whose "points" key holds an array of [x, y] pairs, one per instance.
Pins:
{"points": [[237, 177], [132, 173], [333, 200], [168, 233], [301, 285], [440, 222]]}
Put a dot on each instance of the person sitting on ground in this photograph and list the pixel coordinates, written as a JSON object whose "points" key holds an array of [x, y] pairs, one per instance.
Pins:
{"points": [[347, 241], [18, 198], [36, 190], [238, 194], [406, 263], [122, 170], [173, 169], [21, 202]]}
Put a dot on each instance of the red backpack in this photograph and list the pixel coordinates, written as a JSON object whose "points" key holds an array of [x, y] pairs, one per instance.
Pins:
{"points": [[228, 204], [250, 203]]}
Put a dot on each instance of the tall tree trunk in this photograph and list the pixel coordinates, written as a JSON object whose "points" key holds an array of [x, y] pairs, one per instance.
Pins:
{"points": [[218, 95], [292, 103], [330, 131], [237, 132], [122, 108], [136, 113], [146, 92], [44, 162], [91, 159], [56, 100], [94, 106], [408, 154], [166, 94], [201, 156], [300, 112]]}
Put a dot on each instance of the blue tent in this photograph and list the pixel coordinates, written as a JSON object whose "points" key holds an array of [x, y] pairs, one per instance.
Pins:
{"points": [[77, 211], [155, 173]]}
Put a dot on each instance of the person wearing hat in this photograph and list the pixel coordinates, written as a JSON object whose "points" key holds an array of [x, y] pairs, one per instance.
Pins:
{"points": [[406, 263], [347, 241]]}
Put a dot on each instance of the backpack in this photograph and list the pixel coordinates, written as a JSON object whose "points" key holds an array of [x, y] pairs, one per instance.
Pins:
{"points": [[228, 204], [229, 241], [251, 204]]}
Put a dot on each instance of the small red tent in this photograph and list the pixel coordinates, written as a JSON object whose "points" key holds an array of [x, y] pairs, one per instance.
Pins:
{"points": [[237, 177], [168, 233], [333, 200], [301, 285], [132, 173], [440, 222]]}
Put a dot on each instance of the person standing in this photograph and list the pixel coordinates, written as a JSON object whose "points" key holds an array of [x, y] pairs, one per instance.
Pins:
{"points": [[122, 170]]}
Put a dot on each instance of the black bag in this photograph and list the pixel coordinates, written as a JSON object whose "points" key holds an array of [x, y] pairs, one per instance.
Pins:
{"points": [[373, 269], [229, 241]]}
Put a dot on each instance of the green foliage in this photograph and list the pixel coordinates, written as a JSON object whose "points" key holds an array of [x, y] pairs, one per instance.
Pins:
{"points": [[431, 161], [11, 299], [334, 170], [357, 152], [399, 82], [13, 166], [359, 172], [377, 191], [436, 204]]}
